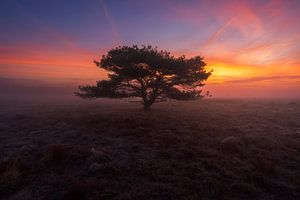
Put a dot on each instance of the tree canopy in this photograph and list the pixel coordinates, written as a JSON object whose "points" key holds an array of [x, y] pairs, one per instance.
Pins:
{"points": [[149, 74]]}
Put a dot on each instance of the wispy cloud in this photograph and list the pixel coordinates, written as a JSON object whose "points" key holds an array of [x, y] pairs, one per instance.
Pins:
{"points": [[263, 78], [114, 29]]}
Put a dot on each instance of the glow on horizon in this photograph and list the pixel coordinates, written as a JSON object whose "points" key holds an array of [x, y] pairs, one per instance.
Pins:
{"points": [[248, 44]]}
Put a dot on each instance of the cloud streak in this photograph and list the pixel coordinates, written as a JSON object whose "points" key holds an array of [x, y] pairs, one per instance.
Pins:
{"points": [[263, 78]]}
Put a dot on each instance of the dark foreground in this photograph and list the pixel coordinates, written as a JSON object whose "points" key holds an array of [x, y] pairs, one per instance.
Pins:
{"points": [[210, 149]]}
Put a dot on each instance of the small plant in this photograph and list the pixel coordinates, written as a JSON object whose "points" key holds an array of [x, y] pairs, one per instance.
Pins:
{"points": [[265, 166], [79, 190], [12, 174], [54, 154]]}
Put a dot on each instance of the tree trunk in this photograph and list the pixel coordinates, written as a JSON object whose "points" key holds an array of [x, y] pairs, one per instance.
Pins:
{"points": [[147, 104], [146, 107]]}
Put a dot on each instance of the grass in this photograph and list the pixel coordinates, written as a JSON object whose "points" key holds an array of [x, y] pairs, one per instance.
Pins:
{"points": [[212, 149]]}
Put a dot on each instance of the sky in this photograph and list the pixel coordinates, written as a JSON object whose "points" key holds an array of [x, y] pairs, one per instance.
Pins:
{"points": [[252, 46]]}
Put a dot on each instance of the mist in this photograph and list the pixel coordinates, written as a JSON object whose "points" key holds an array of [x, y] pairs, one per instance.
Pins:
{"points": [[33, 91]]}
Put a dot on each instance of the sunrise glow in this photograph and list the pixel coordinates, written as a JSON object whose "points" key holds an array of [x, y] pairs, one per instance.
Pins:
{"points": [[250, 45]]}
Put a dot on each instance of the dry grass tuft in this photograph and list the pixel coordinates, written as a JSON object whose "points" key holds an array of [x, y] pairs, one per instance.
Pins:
{"points": [[265, 166], [231, 144], [54, 154], [24, 194], [79, 191], [12, 174]]}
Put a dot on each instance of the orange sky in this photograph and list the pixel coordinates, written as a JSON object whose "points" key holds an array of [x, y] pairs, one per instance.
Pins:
{"points": [[253, 47]]}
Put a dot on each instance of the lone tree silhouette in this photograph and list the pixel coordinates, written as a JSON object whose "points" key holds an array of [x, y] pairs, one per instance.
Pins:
{"points": [[148, 73]]}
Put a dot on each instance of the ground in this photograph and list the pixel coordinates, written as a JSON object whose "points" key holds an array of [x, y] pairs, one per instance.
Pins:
{"points": [[207, 149]]}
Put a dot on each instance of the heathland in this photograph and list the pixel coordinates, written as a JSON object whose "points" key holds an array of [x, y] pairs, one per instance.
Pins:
{"points": [[207, 149]]}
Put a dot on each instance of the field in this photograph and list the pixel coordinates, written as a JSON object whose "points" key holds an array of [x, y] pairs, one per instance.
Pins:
{"points": [[208, 149]]}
